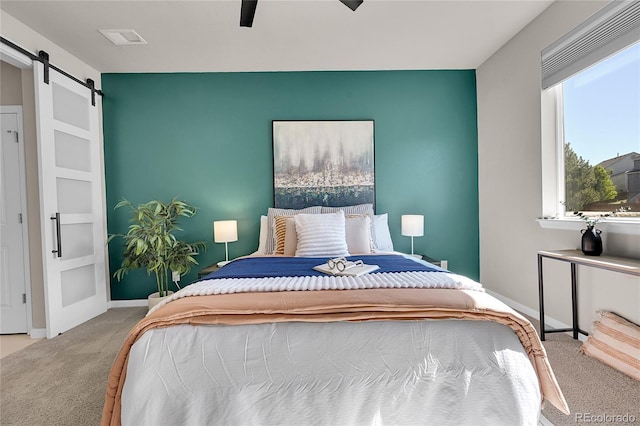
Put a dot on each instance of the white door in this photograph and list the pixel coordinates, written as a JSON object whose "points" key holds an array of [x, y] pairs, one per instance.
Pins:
{"points": [[72, 217], [13, 295]]}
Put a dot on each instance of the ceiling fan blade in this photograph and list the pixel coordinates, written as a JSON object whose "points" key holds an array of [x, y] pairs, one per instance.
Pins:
{"points": [[352, 4], [247, 12]]}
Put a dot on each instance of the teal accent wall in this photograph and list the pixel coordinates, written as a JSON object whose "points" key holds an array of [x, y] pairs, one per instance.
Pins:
{"points": [[206, 139]]}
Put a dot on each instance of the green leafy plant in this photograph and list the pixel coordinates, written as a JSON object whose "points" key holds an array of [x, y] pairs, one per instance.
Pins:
{"points": [[150, 241], [592, 220]]}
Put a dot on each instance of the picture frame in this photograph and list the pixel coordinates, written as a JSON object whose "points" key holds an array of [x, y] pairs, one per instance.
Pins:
{"points": [[323, 163]]}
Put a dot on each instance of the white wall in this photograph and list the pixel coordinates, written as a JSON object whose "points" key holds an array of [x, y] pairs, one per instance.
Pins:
{"points": [[510, 182], [11, 79], [25, 37]]}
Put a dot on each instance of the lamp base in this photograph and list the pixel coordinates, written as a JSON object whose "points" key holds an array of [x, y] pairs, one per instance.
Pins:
{"points": [[417, 256], [222, 263]]}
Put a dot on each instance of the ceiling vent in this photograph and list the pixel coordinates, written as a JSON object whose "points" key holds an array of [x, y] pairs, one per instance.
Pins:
{"points": [[123, 37]]}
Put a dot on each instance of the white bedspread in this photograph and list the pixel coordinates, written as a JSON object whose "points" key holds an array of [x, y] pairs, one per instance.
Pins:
{"points": [[445, 372]]}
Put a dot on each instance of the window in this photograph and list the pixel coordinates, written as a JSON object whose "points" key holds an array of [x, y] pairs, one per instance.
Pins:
{"points": [[599, 137], [590, 125]]}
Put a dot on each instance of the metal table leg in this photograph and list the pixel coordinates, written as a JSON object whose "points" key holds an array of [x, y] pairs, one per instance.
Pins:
{"points": [[541, 296]]}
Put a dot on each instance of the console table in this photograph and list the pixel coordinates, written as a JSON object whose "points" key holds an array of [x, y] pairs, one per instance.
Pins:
{"points": [[575, 258]]}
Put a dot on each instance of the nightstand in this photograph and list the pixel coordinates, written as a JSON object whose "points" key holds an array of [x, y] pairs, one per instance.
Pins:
{"points": [[430, 260], [209, 269]]}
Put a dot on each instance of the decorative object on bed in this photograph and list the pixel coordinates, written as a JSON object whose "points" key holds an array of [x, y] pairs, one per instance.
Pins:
{"points": [[348, 268], [615, 342], [225, 231], [328, 163], [413, 226], [264, 341], [151, 243]]}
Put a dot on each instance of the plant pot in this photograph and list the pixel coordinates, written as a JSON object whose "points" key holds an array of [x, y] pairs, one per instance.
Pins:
{"points": [[591, 241], [154, 298]]}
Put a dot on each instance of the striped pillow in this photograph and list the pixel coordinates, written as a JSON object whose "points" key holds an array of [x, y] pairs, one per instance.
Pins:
{"points": [[290, 238], [357, 209], [272, 213], [321, 235], [616, 342], [280, 227]]}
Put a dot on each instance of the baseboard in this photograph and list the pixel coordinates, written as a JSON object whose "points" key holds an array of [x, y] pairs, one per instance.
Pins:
{"points": [[41, 333], [134, 303], [554, 323], [38, 333]]}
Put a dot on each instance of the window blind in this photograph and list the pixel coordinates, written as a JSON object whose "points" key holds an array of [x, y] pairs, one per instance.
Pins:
{"points": [[613, 28]]}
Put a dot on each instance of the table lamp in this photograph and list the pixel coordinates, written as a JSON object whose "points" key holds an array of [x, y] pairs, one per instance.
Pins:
{"points": [[225, 231], [413, 226]]}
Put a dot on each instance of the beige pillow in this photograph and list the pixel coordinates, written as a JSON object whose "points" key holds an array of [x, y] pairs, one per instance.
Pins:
{"points": [[290, 238]]}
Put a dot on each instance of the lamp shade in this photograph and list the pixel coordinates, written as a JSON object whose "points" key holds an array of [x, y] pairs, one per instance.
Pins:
{"points": [[412, 225], [225, 231]]}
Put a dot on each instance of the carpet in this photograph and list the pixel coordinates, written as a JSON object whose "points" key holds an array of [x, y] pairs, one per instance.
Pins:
{"points": [[595, 392], [62, 381]]}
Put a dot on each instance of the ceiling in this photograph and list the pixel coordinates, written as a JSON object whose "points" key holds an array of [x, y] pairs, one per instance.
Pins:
{"points": [[287, 35]]}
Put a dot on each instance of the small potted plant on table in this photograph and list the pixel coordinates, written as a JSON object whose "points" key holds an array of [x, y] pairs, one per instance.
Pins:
{"points": [[591, 242], [150, 243]]}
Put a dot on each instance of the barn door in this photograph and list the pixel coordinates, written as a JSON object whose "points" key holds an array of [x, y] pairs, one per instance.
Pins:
{"points": [[72, 216]]}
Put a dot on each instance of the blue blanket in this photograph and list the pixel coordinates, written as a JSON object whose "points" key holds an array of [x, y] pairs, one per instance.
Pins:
{"points": [[261, 267]]}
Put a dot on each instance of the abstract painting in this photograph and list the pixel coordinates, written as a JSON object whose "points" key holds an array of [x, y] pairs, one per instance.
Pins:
{"points": [[323, 163]]}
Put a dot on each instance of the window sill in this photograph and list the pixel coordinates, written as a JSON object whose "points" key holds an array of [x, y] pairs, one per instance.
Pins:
{"points": [[615, 226]]}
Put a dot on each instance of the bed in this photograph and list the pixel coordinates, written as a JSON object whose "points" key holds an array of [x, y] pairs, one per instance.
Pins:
{"points": [[268, 340]]}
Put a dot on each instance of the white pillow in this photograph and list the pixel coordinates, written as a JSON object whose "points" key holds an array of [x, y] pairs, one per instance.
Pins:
{"points": [[321, 235], [262, 240], [381, 234], [272, 213], [358, 234]]}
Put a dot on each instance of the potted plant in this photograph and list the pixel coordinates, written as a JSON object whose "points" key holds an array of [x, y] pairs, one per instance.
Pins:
{"points": [[591, 243], [150, 243]]}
